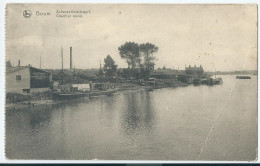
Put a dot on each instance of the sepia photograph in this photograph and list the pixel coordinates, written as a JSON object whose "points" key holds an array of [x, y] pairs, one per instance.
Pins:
{"points": [[131, 82]]}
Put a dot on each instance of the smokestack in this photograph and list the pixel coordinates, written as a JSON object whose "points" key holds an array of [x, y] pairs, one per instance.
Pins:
{"points": [[70, 58], [19, 63]]}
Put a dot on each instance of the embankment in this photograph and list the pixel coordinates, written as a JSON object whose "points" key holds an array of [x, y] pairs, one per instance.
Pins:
{"points": [[20, 100]]}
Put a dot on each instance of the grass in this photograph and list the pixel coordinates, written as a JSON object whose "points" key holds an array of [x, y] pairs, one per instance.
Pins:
{"points": [[18, 97]]}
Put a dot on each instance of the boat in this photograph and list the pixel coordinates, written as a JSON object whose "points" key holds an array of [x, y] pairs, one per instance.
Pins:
{"points": [[216, 81], [116, 93], [93, 97], [204, 81], [243, 77], [67, 95], [149, 89], [110, 93]]}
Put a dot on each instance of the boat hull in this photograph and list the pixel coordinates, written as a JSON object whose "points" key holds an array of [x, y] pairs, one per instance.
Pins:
{"points": [[66, 96], [243, 77]]}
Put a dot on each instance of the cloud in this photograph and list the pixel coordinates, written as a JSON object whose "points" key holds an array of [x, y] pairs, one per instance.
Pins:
{"points": [[34, 41]]}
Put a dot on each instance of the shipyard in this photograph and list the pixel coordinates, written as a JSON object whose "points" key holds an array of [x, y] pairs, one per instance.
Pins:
{"points": [[159, 82], [73, 83]]}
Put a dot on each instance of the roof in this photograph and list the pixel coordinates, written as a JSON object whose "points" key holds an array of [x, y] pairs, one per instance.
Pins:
{"points": [[166, 72], [15, 69], [194, 68], [18, 68]]}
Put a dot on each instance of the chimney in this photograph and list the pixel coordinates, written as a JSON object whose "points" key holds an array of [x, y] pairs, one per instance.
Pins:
{"points": [[70, 58], [19, 63]]}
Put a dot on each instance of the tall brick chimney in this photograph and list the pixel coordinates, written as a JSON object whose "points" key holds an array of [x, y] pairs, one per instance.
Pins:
{"points": [[70, 58]]}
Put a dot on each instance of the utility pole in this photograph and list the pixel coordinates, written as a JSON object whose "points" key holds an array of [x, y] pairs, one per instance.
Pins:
{"points": [[61, 65], [61, 58], [70, 58], [40, 61]]}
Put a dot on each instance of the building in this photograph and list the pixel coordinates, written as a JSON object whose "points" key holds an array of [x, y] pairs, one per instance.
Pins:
{"points": [[8, 64], [27, 79], [195, 72], [166, 73]]}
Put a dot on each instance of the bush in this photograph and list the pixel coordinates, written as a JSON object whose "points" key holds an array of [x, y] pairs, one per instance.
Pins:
{"points": [[16, 97]]}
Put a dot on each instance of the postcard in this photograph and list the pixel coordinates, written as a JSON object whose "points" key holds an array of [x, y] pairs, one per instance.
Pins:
{"points": [[161, 82]]}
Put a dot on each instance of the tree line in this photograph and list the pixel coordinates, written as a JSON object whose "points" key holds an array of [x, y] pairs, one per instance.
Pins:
{"points": [[140, 59]]}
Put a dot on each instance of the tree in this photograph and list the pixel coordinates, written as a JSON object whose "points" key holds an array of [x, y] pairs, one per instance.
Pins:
{"points": [[147, 50], [109, 66], [130, 52]]}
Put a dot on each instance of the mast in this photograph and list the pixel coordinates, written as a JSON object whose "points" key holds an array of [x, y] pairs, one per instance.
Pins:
{"points": [[215, 73], [61, 58], [61, 64]]}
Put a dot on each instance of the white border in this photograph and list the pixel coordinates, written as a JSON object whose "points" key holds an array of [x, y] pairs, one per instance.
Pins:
{"points": [[2, 69]]}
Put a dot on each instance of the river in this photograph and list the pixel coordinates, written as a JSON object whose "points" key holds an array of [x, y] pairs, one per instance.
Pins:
{"points": [[186, 123]]}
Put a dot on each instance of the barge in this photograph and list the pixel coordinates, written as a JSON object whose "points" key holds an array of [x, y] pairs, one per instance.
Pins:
{"points": [[68, 95], [243, 77], [74, 95]]}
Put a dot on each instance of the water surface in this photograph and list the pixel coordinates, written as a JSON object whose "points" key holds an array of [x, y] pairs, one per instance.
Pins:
{"points": [[164, 124]]}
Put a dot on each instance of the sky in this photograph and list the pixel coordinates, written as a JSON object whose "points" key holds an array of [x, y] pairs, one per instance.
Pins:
{"points": [[218, 37]]}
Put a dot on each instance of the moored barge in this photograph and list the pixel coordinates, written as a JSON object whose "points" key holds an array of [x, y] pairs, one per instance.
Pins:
{"points": [[243, 77]]}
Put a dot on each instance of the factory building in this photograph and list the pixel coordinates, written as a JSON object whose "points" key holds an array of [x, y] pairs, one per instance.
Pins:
{"points": [[27, 79], [195, 72]]}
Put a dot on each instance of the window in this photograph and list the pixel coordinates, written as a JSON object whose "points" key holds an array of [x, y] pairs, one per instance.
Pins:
{"points": [[18, 78]]}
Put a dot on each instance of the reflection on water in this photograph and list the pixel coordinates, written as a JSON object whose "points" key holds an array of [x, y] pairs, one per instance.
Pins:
{"points": [[165, 124], [138, 115]]}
